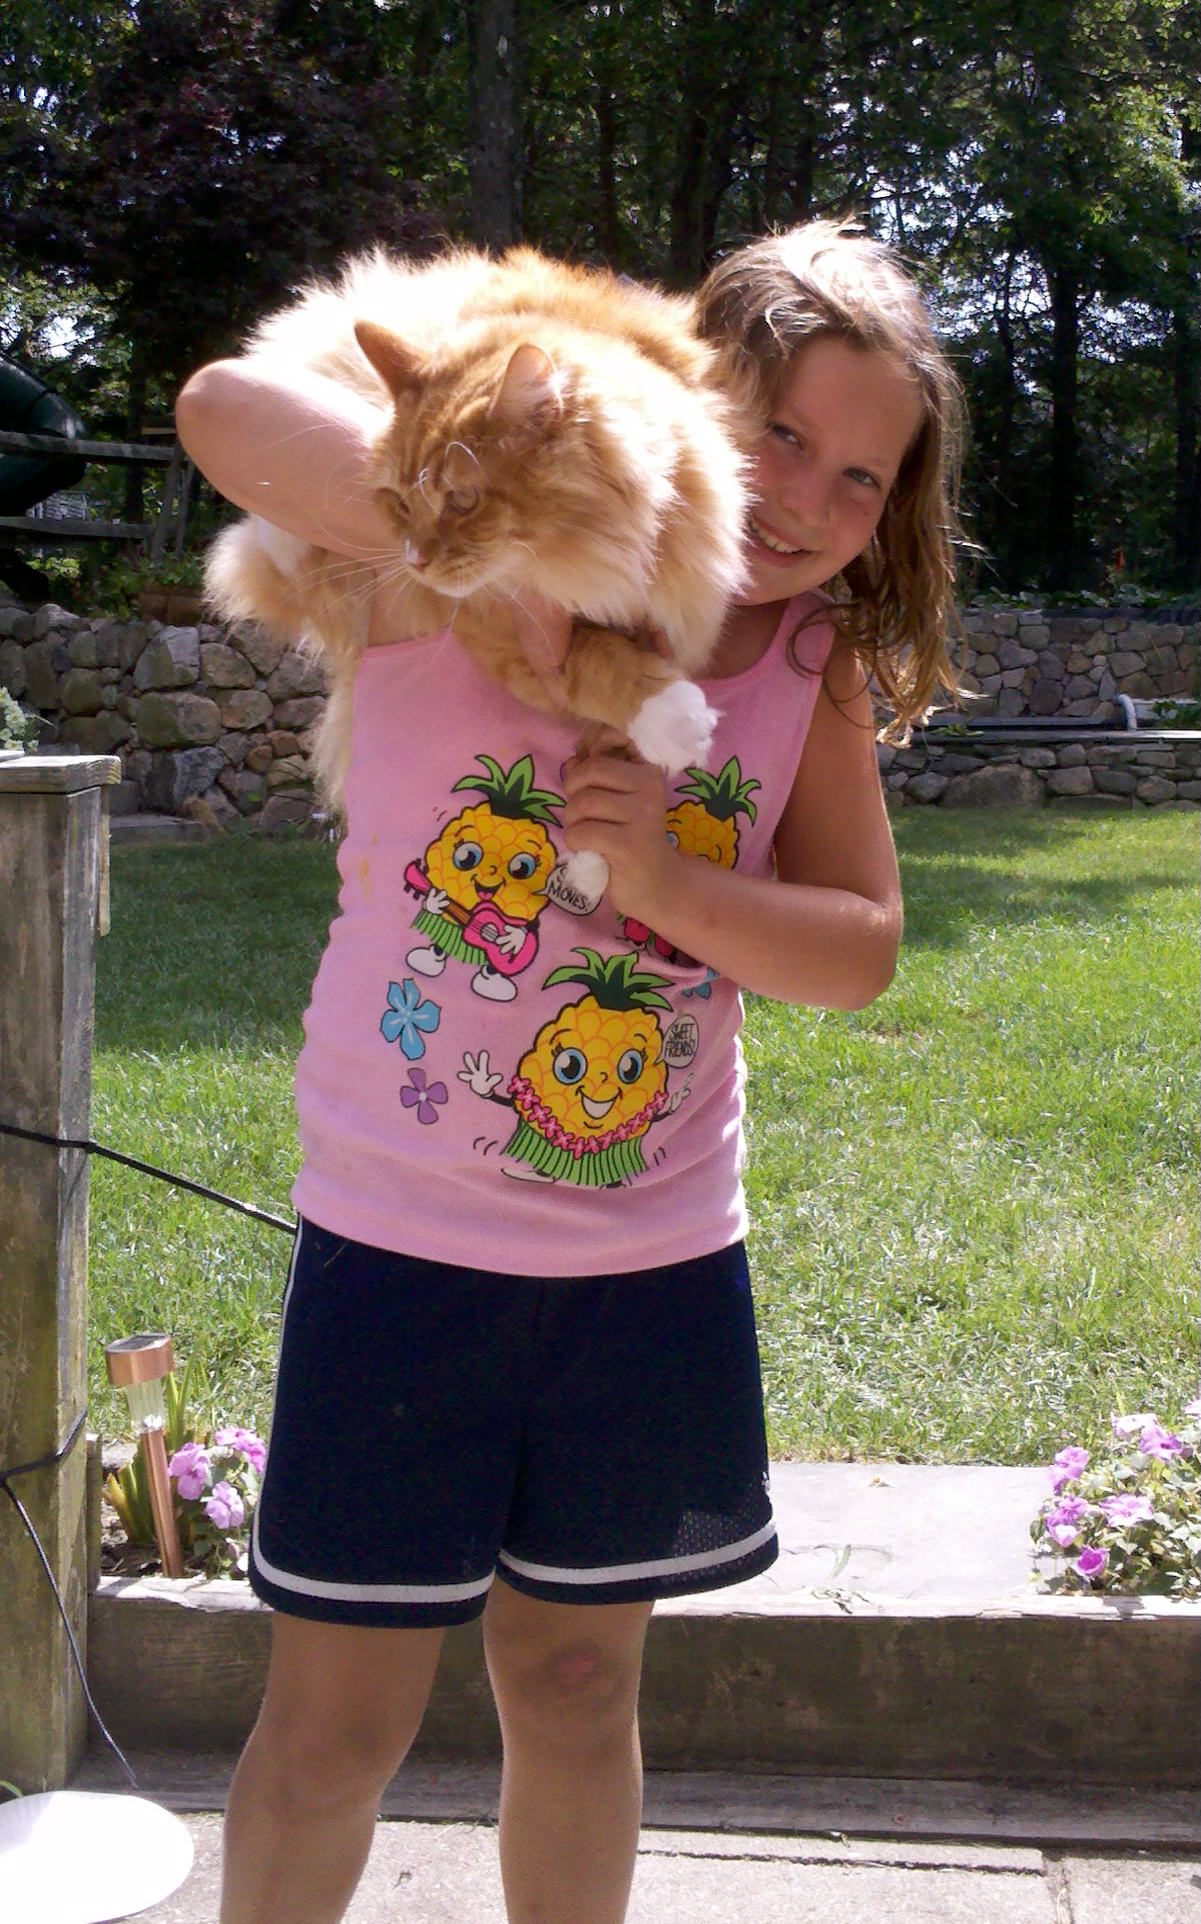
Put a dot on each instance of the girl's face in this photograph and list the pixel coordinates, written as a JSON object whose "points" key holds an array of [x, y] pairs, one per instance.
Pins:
{"points": [[841, 426]]}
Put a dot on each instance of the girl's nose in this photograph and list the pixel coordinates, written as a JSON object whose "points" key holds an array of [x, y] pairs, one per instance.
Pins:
{"points": [[807, 495]]}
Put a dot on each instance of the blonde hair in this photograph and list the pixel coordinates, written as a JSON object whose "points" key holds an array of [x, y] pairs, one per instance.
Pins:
{"points": [[760, 306]]}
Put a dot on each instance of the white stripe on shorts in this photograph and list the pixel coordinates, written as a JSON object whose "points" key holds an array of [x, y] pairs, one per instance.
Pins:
{"points": [[632, 1572], [367, 1592]]}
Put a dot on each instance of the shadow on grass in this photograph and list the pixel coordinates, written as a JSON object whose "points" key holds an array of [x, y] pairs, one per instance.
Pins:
{"points": [[213, 945], [961, 873]]}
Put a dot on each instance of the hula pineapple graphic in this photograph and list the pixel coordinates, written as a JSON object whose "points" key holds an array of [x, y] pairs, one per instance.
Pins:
{"points": [[594, 1080], [483, 879], [704, 823]]}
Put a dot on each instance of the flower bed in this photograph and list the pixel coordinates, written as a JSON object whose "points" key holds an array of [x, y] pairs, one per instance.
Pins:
{"points": [[1127, 1521]]}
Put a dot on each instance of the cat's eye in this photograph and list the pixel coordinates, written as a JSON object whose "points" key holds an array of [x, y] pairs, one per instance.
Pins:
{"points": [[393, 503], [462, 500]]}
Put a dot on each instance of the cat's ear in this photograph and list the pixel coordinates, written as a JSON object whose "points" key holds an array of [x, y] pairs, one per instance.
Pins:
{"points": [[398, 367], [530, 397]]}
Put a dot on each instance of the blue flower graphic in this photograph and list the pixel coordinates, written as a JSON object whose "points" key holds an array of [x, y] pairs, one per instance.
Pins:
{"points": [[704, 988], [407, 1017]]}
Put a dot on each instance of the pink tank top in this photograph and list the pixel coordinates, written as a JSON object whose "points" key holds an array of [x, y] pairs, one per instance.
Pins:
{"points": [[495, 1073]]}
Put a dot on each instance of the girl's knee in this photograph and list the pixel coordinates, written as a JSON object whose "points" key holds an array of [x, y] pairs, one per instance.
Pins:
{"points": [[577, 1689], [308, 1764]]}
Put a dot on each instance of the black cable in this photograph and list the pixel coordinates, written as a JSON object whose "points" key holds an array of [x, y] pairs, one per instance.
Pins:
{"points": [[91, 1148], [23, 1469]]}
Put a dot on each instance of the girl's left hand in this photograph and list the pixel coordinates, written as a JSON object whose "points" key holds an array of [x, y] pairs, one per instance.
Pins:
{"points": [[618, 808]]}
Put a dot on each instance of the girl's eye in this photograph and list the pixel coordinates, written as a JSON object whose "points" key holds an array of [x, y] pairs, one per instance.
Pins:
{"points": [[630, 1067], [462, 500], [522, 867], [862, 478], [784, 434], [570, 1065], [468, 855]]}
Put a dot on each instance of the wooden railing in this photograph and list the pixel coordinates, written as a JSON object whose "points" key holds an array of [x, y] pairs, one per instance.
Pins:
{"points": [[50, 529]]}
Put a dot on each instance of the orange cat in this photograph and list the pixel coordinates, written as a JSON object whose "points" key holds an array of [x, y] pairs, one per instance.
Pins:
{"points": [[552, 429]]}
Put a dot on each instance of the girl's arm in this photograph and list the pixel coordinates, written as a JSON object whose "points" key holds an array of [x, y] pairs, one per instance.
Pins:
{"points": [[293, 448], [826, 930]]}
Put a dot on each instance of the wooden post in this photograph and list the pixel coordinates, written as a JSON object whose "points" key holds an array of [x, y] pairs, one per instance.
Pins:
{"points": [[53, 833]]}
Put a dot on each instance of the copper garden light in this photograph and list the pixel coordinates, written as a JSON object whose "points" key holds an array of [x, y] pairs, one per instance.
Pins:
{"points": [[138, 1365]]}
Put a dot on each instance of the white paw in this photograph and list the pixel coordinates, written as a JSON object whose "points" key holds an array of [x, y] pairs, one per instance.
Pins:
{"points": [[674, 728], [588, 872]]}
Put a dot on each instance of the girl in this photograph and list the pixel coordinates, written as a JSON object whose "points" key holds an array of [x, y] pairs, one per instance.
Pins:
{"points": [[518, 1314]]}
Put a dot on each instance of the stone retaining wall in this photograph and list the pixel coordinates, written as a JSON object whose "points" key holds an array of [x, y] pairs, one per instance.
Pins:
{"points": [[206, 718], [1162, 771], [1031, 662], [202, 714]]}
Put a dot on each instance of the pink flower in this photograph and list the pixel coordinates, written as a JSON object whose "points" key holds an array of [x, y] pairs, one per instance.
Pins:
{"points": [[1127, 1508], [1090, 1563], [1193, 1409], [1065, 1467], [1131, 1425], [225, 1507], [1156, 1441], [248, 1445], [1063, 1524], [191, 1468]]}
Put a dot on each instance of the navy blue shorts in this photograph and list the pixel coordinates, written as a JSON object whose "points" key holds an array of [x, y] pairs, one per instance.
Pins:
{"points": [[590, 1440]]}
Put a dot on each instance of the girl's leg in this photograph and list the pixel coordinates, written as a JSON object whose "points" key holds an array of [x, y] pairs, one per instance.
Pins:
{"points": [[342, 1706], [565, 1678]]}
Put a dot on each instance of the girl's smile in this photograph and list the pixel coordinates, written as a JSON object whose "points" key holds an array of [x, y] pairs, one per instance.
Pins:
{"points": [[842, 425]]}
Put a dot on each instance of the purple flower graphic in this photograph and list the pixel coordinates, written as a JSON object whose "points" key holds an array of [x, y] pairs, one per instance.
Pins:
{"points": [[225, 1507], [1090, 1563], [1128, 1508], [191, 1468], [1066, 1466], [247, 1444], [422, 1096], [407, 1017], [1156, 1441]]}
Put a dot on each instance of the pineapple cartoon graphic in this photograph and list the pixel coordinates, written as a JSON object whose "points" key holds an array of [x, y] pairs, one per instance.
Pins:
{"points": [[704, 824], [484, 880], [593, 1082]]}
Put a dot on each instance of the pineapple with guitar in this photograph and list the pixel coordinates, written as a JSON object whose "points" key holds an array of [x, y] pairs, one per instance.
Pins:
{"points": [[482, 882]]}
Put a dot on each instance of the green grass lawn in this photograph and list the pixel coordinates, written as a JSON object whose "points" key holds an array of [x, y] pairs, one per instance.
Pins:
{"points": [[975, 1204]]}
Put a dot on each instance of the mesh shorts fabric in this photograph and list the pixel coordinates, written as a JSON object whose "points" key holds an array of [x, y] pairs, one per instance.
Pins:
{"points": [[588, 1439]]}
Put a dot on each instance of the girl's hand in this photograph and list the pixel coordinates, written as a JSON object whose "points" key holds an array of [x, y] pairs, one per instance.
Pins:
{"points": [[618, 807]]}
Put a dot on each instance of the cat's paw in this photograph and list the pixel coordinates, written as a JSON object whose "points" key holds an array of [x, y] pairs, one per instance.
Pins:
{"points": [[674, 728], [587, 872]]}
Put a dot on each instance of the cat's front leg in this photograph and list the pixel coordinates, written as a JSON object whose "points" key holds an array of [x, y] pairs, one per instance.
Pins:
{"points": [[608, 678]]}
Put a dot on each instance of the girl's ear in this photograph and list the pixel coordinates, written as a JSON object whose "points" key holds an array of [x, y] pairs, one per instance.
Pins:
{"points": [[530, 397], [398, 367]]}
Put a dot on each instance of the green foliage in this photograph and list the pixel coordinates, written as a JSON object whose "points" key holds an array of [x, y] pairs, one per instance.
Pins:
{"points": [[18, 727], [168, 170]]}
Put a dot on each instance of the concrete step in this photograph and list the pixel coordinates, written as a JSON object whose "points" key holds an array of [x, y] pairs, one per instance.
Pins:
{"points": [[928, 1656]]}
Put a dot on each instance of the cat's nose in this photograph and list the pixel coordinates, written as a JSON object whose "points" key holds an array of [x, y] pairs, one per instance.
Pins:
{"points": [[413, 556]]}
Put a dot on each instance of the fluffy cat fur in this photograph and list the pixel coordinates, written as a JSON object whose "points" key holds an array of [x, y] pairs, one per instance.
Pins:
{"points": [[552, 429]]}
